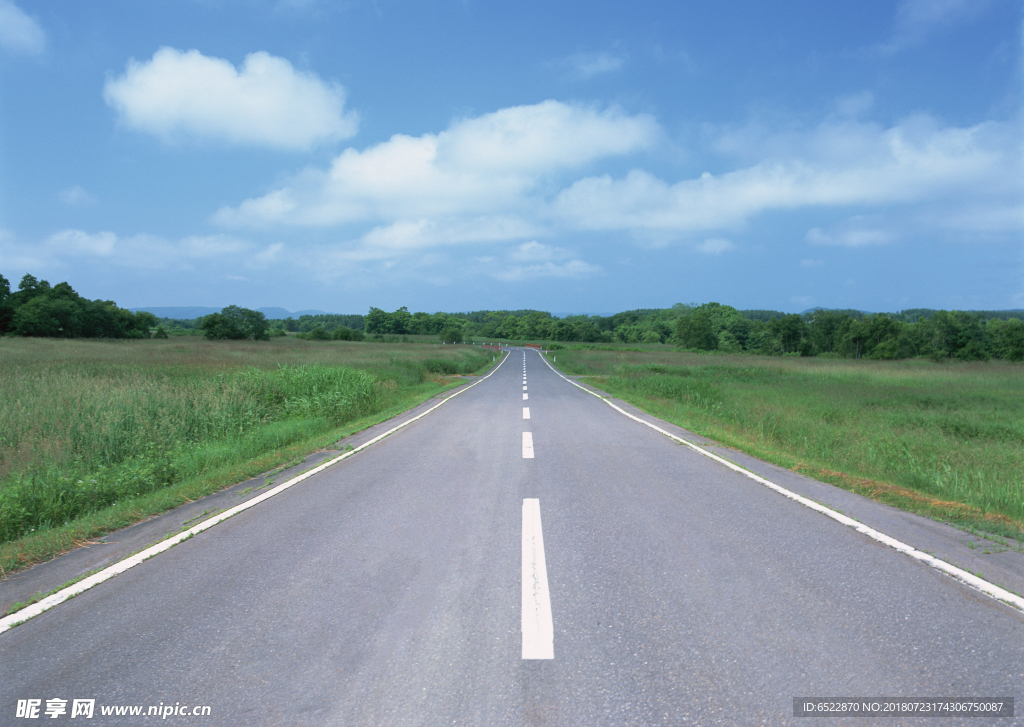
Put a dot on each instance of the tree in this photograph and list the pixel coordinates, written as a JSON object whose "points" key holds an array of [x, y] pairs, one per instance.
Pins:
{"points": [[727, 343], [451, 335], [401, 321], [694, 331], [377, 321], [855, 336], [30, 287], [6, 305], [1007, 338], [789, 331], [235, 323], [42, 316], [826, 329]]}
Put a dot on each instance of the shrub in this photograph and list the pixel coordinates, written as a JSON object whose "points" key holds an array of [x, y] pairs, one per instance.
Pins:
{"points": [[451, 335]]}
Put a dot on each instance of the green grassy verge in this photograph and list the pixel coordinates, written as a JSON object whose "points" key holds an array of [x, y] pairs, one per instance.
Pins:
{"points": [[943, 440], [98, 435]]}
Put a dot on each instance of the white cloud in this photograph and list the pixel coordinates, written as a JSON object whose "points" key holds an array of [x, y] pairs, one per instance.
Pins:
{"points": [[532, 260], [270, 254], [916, 162], [78, 242], [716, 246], [534, 251], [19, 33], [495, 164], [851, 235], [142, 252], [507, 177], [568, 269], [588, 65], [424, 233], [200, 247], [76, 197], [916, 19], [265, 103]]}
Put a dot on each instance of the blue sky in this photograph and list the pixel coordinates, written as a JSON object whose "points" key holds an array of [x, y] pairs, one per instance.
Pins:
{"points": [[567, 156]]}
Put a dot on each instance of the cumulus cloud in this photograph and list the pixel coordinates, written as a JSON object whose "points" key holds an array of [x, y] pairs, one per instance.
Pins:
{"points": [[79, 242], [266, 102], [588, 65], [493, 164], [532, 260], [917, 162], [426, 233], [19, 33], [568, 269], [508, 176], [140, 252]]}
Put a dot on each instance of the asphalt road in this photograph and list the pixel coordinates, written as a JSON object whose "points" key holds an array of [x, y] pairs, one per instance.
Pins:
{"points": [[388, 590]]}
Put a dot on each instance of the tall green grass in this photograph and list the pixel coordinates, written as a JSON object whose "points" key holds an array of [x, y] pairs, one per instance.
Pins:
{"points": [[85, 425], [952, 432]]}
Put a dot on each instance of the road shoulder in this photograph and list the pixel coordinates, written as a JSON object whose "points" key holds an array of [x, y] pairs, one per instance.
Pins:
{"points": [[95, 555], [999, 561]]}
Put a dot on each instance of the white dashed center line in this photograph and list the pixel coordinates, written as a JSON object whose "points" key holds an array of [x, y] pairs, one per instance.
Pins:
{"points": [[538, 628], [526, 412], [524, 387], [527, 445], [525, 397]]}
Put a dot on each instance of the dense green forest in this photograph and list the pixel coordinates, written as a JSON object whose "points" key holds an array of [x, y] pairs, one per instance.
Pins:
{"points": [[37, 309], [935, 334]]}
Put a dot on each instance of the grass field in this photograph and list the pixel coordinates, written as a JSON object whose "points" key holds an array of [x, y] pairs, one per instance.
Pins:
{"points": [[96, 434], [946, 440]]}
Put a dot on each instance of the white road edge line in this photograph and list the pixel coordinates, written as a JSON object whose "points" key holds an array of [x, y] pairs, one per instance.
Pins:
{"points": [[980, 584], [537, 626], [526, 412], [527, 445], [59, 597]]}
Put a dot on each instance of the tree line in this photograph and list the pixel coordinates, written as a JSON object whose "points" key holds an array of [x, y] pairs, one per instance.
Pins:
{"points": [[935, 334], [39, 309]]}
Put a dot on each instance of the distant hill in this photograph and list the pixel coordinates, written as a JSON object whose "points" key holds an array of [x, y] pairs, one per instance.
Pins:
{"points": [[569, 315], [182, 313], [187, 313], [274, 314]]}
